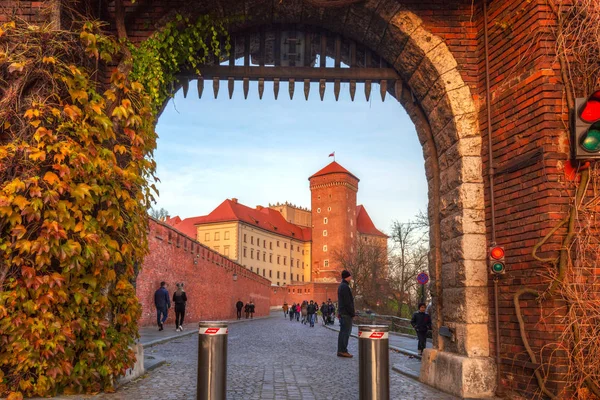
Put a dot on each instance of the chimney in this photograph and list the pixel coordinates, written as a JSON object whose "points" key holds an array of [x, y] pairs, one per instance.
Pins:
{"points": [[234, 200], [259, 208]]}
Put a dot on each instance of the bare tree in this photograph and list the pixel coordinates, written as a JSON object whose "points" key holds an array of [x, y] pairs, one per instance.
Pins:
{"points": [[409, 258], [368, 265]]}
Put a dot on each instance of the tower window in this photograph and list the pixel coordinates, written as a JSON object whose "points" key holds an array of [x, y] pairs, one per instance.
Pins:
{"points": [[325, 248], [226, 235], [326, 263], [217, 236], [325, 233], [328, 208], [207, 237], [325, 220], [319, 210]]}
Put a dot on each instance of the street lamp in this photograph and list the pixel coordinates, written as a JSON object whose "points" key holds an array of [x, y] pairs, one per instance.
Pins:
{"points": [[234, 277]]}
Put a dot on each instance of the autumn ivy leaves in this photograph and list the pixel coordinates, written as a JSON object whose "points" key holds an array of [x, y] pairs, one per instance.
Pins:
{"points": [[74, 167]]}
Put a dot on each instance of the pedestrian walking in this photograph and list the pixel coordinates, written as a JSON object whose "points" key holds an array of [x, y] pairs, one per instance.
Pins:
{"points": [[331, 311], [346, 313], [162, 304], [247, 310], [298, 308], [292, 312], [421, 321], [180, 300], [251, 309], [316, 312], [324, 313], [311, 311], [285, 309], [303, 310], [238, 307]]}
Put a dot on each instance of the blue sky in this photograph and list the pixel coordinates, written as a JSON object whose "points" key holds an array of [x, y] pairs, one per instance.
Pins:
{"points": [[263, 151]]}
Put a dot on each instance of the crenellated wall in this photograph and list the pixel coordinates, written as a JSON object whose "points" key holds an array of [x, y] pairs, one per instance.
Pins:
{"points": [[208, 277]]}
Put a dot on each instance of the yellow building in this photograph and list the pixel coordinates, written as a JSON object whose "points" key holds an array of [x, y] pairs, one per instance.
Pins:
{"points": [[258, 238], [276, 241], [293, 214]]}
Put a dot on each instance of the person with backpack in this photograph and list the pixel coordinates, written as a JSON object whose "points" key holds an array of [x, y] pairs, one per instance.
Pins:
{"points": [[285, 309], [292, 311], [304, 311]]}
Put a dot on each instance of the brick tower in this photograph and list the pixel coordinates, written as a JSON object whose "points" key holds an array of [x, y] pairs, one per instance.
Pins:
{"points": [[333, 202]]}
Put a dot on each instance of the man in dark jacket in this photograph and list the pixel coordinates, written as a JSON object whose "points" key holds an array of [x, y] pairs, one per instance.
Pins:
{"points": [[162, 303], [238, 306], [421, 321], [346, 313], [180, 300], [311, 311]]}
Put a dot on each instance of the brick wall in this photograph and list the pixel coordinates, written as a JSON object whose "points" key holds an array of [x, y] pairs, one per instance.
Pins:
{"points": [[208, 277], [528, 113], [319, 292]]}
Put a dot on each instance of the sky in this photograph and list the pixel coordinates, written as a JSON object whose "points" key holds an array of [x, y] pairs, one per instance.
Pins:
{"points": [[263, 151]]}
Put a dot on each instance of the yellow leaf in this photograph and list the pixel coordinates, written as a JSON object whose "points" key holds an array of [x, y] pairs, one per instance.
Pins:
{"points": [[38, 155], [16, 66], [72, 111], [51, 177], [49, 60], [20, 202], [111, 275], [7, 125], [36, 123]]}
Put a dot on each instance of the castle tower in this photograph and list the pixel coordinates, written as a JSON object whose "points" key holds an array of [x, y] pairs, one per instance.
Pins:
{"points": [[333, 202]]}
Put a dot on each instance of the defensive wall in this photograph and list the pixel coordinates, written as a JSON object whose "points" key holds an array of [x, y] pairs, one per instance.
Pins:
{"points": [[208, 276], [290, 294]]}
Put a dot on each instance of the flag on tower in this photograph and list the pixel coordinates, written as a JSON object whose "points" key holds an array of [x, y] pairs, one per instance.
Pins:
{"points": [[332, 154]]}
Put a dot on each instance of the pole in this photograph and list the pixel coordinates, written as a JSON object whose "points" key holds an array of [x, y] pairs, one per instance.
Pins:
{"points": [[422, 293], [374, 362], [212, 360], [497, 333]]}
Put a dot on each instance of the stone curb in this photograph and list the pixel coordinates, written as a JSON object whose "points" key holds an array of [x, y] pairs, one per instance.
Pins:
{"points": [[153, 364], [406, 372], [193, 331], [398, 349]]}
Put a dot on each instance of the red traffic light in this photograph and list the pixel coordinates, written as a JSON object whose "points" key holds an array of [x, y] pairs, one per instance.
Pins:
{"points": [[590, 111], [497, 253]]}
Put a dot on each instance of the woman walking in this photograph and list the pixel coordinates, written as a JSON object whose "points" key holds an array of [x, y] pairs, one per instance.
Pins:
{"points": [[180, 299]]}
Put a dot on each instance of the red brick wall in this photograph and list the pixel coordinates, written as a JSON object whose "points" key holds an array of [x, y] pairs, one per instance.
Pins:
{"points": [[319, 292], [211, 290], [527, 113]]}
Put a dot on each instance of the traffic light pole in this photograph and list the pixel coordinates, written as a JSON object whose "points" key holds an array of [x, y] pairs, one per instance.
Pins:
{"points": [[498, 385]]}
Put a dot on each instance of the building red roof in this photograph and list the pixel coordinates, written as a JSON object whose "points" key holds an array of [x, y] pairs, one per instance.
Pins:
{"points": [[263, 217], [333, 168], [365, 225]]}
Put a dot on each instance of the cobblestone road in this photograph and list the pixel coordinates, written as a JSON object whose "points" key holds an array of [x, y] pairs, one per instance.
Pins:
{"points": [[269, 359]]}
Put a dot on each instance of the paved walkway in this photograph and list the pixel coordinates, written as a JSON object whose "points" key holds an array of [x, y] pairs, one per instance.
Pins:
{"points": [[408, 361], [270, 358]]}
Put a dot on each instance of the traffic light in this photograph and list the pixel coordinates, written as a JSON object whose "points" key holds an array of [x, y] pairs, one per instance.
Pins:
{"points": [[585, 128], [496, 257]]}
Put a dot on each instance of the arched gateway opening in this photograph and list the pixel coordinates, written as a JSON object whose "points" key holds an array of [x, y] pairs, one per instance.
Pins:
{"points": [[387, 44]]}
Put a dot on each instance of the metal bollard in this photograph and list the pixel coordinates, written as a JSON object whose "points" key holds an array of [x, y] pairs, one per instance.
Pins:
{"points": [[374, 362], [212, 360]]}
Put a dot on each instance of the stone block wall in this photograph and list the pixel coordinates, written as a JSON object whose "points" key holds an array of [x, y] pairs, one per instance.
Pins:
{"points": [[208, 277]]}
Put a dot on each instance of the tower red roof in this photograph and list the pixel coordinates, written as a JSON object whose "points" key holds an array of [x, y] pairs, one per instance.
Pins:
{"points": [[333, 168], [264, 218], [365, 225]]}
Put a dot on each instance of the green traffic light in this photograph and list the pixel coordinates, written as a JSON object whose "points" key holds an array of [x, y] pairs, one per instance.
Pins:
{"points": [[590, 142], [498, 267]]}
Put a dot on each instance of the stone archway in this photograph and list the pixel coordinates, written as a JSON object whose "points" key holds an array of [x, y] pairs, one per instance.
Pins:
{"points": [[441, 105]]}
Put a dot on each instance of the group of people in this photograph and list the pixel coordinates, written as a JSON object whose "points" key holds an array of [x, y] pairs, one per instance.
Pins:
{"points": [[248, 309], [421, 321], [162, 302], [309, 311]]}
